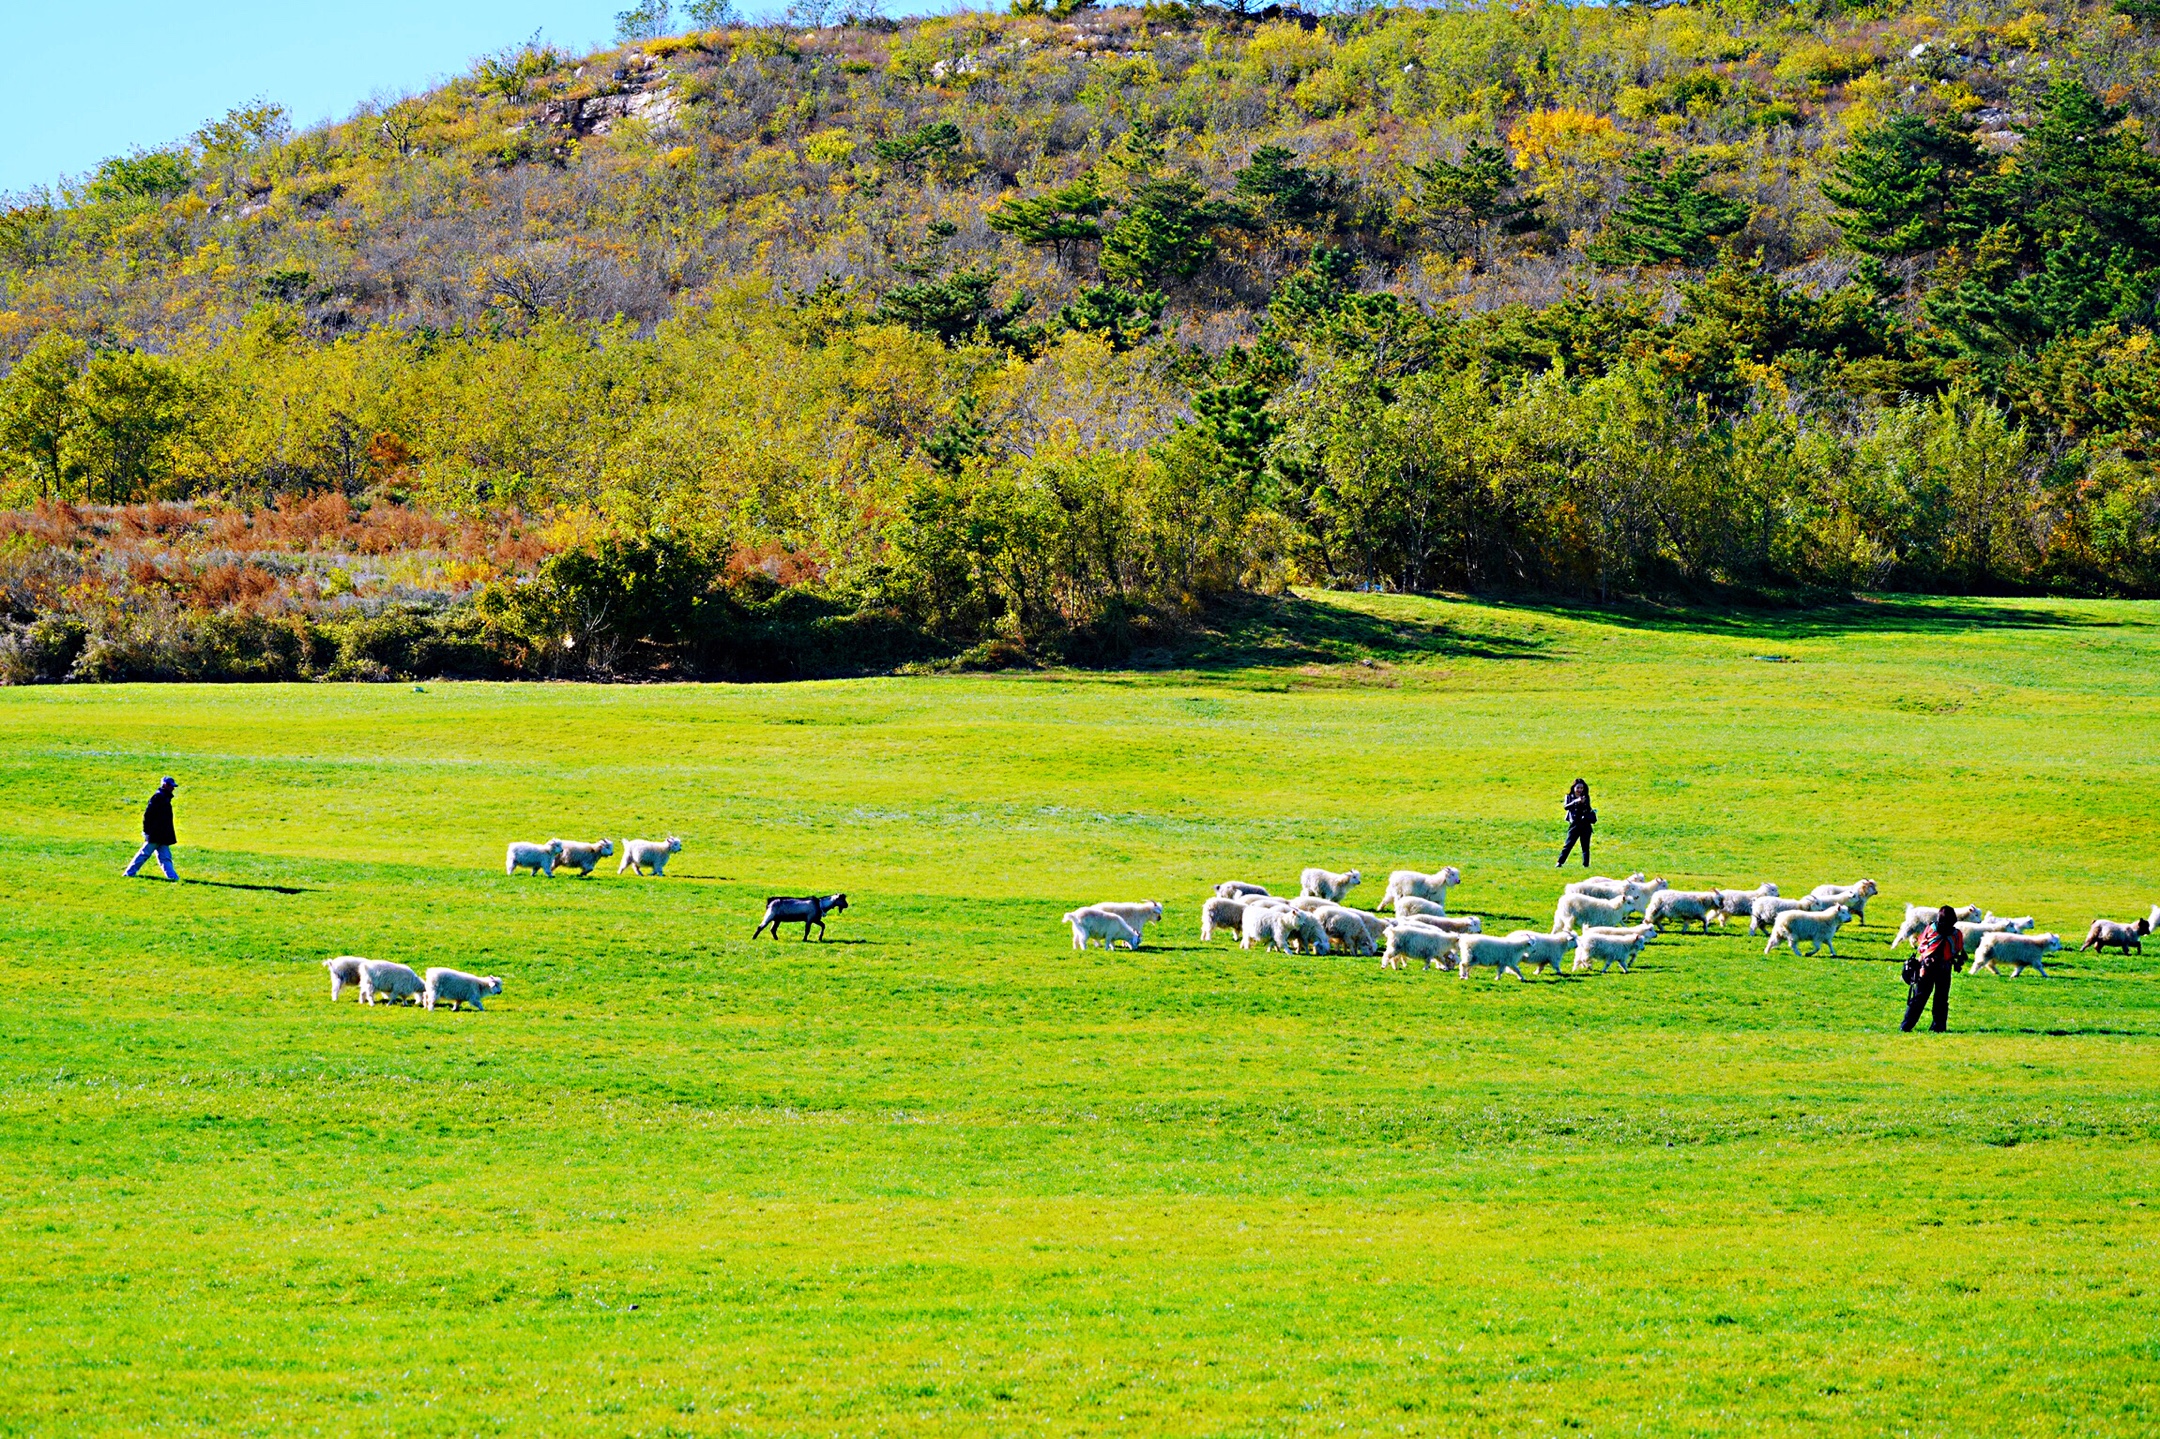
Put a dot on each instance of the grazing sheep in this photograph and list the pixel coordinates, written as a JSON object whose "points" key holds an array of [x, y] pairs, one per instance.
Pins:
{"points": [[1220, 912], [1137, 913], [344, 970], [1238, 889], [539, 858], [1346, 929], [640, 854], [1614, 944], [458, 988], [1415, 941], [1605, 887], [1505, 953], [1682, 906], [393, 981], [1376, 928], [1310, 903], [1765, 911], [1410, 906], [1853, 896], [1818, 927], [1090, 924], [1920, 916], [1306, 929], [2098, 938], [1327, 884], [581, 857], [1447, 923], [1740, 903], [2104, 932], [1415, 884], [1589, 909], [2024, 951], [2021, 925]]}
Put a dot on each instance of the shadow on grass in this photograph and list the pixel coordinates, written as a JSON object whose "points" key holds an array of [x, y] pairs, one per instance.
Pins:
{"points": [[259, 888], [1289, 630], [1893, 614]]}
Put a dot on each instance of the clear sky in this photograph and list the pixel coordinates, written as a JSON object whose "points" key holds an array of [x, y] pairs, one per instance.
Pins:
{"points": [[84, 82]]}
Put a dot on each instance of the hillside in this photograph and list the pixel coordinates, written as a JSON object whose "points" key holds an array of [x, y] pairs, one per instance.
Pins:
{"points": [[1006, 330]]}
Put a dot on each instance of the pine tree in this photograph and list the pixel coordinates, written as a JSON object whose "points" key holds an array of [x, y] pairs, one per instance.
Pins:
{"points": [[1117, 314], [1902, 188], [1276, 184], [1465, 201], [1666, 217], [1166, 231], [1057, 218]]}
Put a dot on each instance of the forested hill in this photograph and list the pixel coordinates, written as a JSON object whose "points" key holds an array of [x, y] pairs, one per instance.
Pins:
{"points": [[1002, 329]]}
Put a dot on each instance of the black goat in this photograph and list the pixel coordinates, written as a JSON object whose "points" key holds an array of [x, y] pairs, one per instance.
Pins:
{"points": [[809, 910]]}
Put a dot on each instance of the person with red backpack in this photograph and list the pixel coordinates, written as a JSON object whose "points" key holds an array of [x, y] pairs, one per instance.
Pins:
{"points": [[1937, 953]]}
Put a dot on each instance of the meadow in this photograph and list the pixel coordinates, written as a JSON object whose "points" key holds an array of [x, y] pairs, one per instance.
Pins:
{"points": [[943, 1174]]}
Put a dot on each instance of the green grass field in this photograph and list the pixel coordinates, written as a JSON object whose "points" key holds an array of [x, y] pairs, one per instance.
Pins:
{"points": [[944, 1175]]}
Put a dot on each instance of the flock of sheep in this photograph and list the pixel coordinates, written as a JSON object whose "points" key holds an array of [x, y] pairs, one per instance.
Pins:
{"points": [[1591, 923], [638, 855], [382, 979]]}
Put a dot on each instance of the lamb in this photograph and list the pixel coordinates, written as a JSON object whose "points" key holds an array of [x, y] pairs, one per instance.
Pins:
{"points": [[2024, 951], [1818, 927], [394, 981], [1415, 884], [1614, 944], [1415, 941], [2021, 925], [1920, 916], [1684, 906], [1238, 889], [1589, 909], [344, 970], [1221, 912], [1327, 884], [639, 854], [1089, 925], [1765, 911], [1740, 903], [1853, 896], [459, 988], [582, 856], [1410, 906], [539, 858], [1139, 914], [1505, 953], [1975, 930], [2104, 932]]}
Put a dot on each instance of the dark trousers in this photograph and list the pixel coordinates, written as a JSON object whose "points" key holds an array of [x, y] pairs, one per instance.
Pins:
{"points": [[1935, 980], [1577, 834]]}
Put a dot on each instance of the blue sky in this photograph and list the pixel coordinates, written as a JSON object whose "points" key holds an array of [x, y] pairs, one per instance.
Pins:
{"points": [[85, 83]]}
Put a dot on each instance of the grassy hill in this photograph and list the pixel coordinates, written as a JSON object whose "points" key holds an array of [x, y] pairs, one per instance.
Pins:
{"points": [[945, 1173]]}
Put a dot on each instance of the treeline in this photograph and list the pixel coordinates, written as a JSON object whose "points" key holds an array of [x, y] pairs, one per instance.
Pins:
{"points": [[1646, 342]]}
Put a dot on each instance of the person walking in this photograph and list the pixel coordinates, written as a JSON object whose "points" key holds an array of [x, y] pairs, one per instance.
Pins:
{"points": [[1580, 820], [157, 831], [1937, 953]]}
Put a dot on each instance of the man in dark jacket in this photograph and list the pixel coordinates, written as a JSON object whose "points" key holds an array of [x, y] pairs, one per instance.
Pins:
{"points": [[1938, 950], [157, 831]]}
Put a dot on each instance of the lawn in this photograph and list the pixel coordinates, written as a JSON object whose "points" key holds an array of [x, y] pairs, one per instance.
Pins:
{"points": [[942, 1174]]}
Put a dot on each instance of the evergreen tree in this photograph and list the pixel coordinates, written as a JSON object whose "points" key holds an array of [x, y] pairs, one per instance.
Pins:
{"points": [[931, 148], [1904, 187], [1117, 314], [1235, 417], [1165, 232], [957, 309], [1463, 202], [1057, 218], [1666, 217], [1279, 187]]}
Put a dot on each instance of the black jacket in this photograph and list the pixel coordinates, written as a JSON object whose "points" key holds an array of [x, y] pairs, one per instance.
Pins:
{"points": [[157, 819], [1579, 813]]}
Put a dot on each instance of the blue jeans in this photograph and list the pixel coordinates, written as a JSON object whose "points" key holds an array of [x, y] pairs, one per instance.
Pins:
{"points": [[164, 859]]}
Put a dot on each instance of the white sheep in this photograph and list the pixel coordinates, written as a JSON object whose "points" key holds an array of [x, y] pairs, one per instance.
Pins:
{"points": [[458, 988], [1614, 944], [1975, 930], [1416, 884], [2024, 951], [1445, 923], [2104, 932], [1346, 929], [1765, 910], [1920, 916], [581, 857], [1682, 907], [1415, 941], [1605, 887], [639, 854], [1409, 906], [1818, 927], [2022, 924], [1305, 928], [539, 858], [1137, 913], [1852, 896], [1545, 950], [1238, 889], [1590, 909], [1506, 954], [1221, 913], [392, 981], [2152, 919], [344, 970], [1327, 884], [1089, 924], [1376, 928], [1740, 903]]}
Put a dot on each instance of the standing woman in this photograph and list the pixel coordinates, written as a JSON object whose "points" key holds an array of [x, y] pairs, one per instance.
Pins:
{"points": [[1938, 952], [1580, 820]]}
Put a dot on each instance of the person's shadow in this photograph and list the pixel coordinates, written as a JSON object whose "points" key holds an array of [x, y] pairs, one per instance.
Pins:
{"points": [[261, 888]]}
